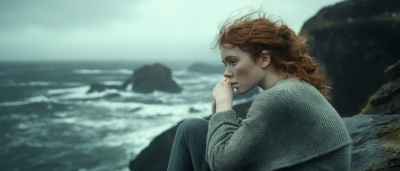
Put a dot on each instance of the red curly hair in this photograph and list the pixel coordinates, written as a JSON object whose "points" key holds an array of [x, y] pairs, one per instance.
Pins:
{"points": [[288, 50]]}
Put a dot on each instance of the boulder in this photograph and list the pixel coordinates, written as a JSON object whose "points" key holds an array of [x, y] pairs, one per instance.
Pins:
{"points": [[193, 110], [354, 41], [206, 69], [154, 77], [145, 80]]}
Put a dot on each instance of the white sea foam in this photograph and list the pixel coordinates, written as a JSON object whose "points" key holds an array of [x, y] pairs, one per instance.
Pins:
{"points": [[179, 72], [11, 83], [146, 110], [112, 82], [68, 90], [98, 71], [32, 83], [200, 79], [40, 98]]}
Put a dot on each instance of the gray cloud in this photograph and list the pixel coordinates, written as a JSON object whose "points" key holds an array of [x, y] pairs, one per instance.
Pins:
{"points": [[128, 29], [53, 14]]}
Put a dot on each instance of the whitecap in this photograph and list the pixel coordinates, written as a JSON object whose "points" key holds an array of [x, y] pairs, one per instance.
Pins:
{"points": [[31, 83], [201, 79], [27, 101], [112, 82], [98, 71], [179, 72]]}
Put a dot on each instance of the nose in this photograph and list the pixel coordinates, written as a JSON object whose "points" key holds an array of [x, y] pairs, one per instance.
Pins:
{"points": [[228, 73]]}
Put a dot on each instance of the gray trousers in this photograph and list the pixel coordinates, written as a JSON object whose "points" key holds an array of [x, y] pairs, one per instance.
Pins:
{"points": [[189, 148]]}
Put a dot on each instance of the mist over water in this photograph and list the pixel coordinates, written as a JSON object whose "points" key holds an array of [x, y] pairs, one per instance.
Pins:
{"points": [[48, 122]]}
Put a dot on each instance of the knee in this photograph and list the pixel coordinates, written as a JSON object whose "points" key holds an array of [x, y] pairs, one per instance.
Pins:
{"points": [[193, 124]]}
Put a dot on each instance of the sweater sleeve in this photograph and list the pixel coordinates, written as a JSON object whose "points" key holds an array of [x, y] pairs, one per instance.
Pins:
{"points": [[232, 143]]}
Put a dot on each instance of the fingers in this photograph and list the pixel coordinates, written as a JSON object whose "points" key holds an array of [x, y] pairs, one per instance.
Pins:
{"points": [[225, 79]]}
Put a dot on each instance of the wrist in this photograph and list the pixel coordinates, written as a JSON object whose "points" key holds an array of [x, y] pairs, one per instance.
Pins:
{"points": [[223, 105], [223, 101]]}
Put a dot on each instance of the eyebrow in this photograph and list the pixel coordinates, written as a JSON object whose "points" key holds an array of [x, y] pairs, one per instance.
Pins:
{"points": [[227, 57]]}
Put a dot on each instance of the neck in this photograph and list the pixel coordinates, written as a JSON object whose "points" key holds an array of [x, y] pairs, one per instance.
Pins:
{"points": [[270, 78]]}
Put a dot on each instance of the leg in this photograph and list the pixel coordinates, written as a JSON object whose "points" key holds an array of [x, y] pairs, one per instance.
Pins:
{"points": [[188, 150]]}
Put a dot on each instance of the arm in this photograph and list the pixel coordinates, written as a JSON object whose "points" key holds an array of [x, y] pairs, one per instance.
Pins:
{"points": [[231, 145]]}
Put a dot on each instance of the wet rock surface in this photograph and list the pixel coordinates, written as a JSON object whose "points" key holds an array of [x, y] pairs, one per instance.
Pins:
{"points": [[365, 148]]}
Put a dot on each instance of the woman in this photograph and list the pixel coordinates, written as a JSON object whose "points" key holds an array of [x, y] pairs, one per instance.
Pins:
{"points": [[289, 126]]}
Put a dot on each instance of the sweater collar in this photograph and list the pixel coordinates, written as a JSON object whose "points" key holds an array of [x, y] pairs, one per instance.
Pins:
{"points": [[296, 77]]}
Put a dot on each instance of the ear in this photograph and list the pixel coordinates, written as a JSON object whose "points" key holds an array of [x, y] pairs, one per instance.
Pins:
{"points": [[265, 58]]}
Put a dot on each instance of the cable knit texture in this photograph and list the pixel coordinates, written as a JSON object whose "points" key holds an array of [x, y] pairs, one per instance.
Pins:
{"points": [[289, 124]]}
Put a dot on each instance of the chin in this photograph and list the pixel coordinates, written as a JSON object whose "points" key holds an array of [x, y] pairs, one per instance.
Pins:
{"points": [[240, 92]]}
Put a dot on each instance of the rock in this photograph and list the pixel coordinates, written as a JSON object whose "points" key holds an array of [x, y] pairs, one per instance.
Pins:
{"points": [[390, 163], [193, 110], [387, 99], [364, 130], [354, 41], [393, 71], [155, 77], [101, 88], [206, 69], [112, 95]]}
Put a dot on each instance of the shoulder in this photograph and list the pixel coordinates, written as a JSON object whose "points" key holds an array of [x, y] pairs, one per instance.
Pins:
{"points": [[289, 90]]}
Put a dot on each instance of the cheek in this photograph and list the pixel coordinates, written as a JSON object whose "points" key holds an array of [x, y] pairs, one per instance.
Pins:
{"points": [[247, 72]]}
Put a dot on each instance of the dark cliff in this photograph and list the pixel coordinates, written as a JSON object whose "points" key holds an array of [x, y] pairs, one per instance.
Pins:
{"points": [[355, 41]]}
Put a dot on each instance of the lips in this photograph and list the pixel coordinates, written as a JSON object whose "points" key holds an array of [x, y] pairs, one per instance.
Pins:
{"points": [[234, 84]]}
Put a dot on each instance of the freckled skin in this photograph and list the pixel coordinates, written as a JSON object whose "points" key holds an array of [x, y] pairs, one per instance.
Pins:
{"points": [[240, 68]]}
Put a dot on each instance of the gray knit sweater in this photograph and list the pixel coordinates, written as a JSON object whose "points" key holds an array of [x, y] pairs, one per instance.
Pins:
{"points": [[290, 125]]}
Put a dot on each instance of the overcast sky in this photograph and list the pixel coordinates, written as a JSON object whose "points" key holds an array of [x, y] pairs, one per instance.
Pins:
{"points": [[147, 30]]}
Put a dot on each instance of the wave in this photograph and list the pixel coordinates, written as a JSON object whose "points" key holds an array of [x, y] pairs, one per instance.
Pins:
{"points": [[98, 71], [39, 83], [27, 101]]}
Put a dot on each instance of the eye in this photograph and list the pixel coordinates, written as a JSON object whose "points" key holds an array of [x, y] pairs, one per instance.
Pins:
{"points": [[233, 62], [225, 65]]}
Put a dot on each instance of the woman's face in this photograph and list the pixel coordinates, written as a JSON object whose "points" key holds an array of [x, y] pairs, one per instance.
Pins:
{"points": [[241, 69]]}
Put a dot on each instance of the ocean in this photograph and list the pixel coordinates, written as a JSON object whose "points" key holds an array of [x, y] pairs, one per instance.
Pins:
{"points": [[48, 121]]}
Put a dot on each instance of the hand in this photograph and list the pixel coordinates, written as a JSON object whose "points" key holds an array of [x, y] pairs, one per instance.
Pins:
{"points": [[223, 95]]}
